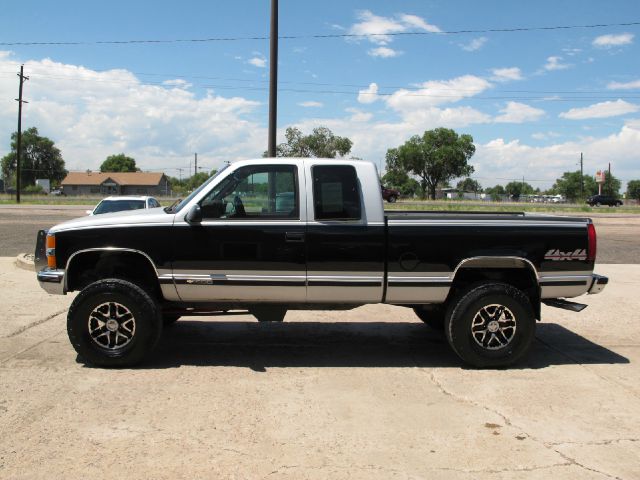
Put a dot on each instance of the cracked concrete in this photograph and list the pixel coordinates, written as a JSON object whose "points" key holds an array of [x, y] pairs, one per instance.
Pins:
{"points": [[365, 394]]}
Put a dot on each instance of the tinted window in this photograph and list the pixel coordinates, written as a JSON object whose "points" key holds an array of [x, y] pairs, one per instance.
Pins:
{"points": [[260, 191], [110, 206], [335, 192]]}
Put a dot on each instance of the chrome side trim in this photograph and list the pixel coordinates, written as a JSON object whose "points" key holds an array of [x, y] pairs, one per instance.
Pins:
{"points": [[498, 260], [107, 249], [52, 281], [111, 249]]}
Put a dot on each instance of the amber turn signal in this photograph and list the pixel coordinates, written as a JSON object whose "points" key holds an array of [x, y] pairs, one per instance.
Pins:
{"points": [[51, 251]]}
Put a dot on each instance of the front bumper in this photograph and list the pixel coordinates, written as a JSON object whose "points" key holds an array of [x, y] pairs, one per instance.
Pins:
{"points": [[598, 283], [52, 281]]}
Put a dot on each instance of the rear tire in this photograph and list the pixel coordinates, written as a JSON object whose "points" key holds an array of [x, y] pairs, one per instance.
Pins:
{"points": [[491, 325], [432, 315], [114, 323], [392, 199]]}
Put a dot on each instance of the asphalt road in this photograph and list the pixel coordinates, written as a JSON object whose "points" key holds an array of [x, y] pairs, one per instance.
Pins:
{"points": [[618, 234]]}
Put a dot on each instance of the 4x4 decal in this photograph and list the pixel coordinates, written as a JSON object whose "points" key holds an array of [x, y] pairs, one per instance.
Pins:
{"points": [[558, 255]]}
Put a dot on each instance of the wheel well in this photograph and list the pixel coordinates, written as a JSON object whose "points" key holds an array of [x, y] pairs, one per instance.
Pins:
{"points": [[88, 267], [522, 278]]}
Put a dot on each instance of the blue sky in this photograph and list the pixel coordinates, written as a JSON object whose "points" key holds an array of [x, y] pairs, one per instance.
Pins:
{"points": [[532, 100]]}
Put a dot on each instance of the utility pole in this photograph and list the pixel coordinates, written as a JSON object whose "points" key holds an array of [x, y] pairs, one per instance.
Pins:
{"points": [[273, 80], [581, 177], [195, 168], [19, 146]]}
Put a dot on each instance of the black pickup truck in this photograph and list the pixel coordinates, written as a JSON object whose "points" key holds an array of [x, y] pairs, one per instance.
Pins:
{"points": [[270, 235]]}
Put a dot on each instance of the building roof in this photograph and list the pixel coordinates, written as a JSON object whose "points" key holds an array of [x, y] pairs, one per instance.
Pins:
{"points": [[121, 178]]}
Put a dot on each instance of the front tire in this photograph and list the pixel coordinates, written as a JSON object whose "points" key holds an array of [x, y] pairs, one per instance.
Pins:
{"points": [[491, 325], [392, 199], [114, 323]]}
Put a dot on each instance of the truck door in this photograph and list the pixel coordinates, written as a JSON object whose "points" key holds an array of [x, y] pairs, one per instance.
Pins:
{"points": [[250, 245], [345, 254]]}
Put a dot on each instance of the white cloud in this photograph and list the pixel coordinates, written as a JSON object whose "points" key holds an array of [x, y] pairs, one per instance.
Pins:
{"points": [[516, 112], [384, 52], [571, 52], [544, 135], [178, 83], [475, 44], [259, 62], [310, 104], [601, 110], [434, 93], [91, 114], [624, 86], [499, 161], [555, 63], [506, 74], [369, 94], [613, 40], [376, 29], [359, 115]]}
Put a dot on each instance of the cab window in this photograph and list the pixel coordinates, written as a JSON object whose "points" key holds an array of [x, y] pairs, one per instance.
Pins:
{"points": [[255, 192], [336, 195]]}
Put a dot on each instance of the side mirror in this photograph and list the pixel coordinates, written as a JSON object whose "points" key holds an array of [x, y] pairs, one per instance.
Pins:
{"points": [[194, 215]]}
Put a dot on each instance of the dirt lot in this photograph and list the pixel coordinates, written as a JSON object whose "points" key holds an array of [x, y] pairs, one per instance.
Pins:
{"points": [[617, 233], [371, 393]]}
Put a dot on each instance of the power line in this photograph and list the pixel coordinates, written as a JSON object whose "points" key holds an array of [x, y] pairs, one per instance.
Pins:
{"points": [[321, 36], [577, 95], [294, 82]]}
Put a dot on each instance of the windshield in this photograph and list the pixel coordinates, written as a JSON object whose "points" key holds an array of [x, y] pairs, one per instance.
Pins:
{"points": [[180, 206], [110, 206]]}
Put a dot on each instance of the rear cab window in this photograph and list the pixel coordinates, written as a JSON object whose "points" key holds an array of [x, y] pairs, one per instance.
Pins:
{"points": [[336, 193]]}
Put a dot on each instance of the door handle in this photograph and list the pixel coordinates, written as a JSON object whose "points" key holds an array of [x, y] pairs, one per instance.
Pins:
{"points": [[294, 237]]}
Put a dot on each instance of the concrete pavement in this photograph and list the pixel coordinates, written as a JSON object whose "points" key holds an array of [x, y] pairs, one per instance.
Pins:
{"points": [[368, 393]]}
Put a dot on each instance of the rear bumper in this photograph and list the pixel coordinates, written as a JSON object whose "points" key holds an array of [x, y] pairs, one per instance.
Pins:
{"points": [[598, 283], [52, 281]]}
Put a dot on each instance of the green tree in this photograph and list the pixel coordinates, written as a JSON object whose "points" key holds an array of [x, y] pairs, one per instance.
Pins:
{"points": [[496, 193], [633, 189], [396, 177], [516, 189], [320, 143], [611, 186], [181, 187], [469, 185], [569, 186], [119, 163], [436, 157], [40, 159]]}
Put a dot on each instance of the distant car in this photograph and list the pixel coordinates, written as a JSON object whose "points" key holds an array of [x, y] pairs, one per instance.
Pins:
{"points": [[389, 194], [58, 192], [597, 200], [119, 204]]}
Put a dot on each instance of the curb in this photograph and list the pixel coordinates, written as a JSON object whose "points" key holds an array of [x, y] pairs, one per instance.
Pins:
{"points": [[25, 261]]}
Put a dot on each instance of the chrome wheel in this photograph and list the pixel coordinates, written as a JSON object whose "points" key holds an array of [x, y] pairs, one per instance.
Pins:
{"points": [[111, 325], [493, 327]]}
